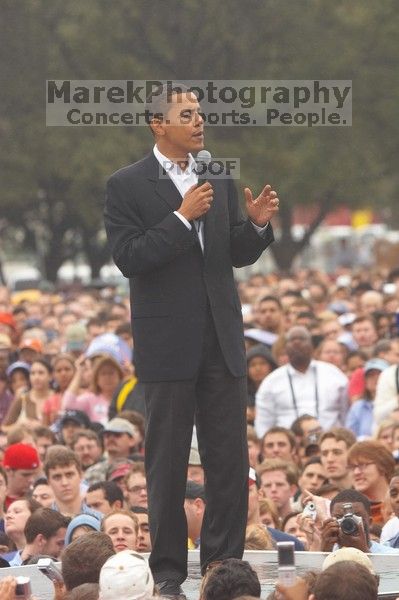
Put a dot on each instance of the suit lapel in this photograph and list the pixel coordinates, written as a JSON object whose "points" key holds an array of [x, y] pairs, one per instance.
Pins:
{"points": [[164, 186], [209, 226]]}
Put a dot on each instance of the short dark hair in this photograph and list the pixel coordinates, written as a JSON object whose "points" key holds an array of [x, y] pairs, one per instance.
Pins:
{"points": [[346, 579], [112, 491], [86, 591], [287, 432], [232, 578], [157, 106], [45, 521], [296, 426], [83, 559], [60, 456], [271, 299], [139, 510], [350, 495]]}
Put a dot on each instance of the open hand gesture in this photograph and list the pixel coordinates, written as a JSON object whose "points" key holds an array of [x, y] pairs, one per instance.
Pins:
{"points": [[261, 209]]}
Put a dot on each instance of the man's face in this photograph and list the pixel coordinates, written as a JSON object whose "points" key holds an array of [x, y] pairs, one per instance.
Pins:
{"points": [[312, 478], [276, 487], [68, 430], [55, 544], [88, 451], [43, 444], [258, 369], [97, 500], [269, 315], [122, 532], [65, 483], [118, 445], [277, 445], [333, 456], [394, 494], [364, 334], [143, 538], [20, 481], [43, 494], [137, 490], [184, 131], [299, 345]]}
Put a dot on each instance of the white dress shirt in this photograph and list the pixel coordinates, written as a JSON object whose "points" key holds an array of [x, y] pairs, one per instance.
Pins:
{"points": [[321, 392], [386, 397], [183, 180]]}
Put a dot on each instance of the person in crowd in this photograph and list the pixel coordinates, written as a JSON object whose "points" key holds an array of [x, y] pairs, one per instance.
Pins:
{"points": [[87, 446], [390, 530], [18, 377], [195, 470], [304, 426], [44, 533], [104, 496], [384, 433], [64, 475], [291, 524], [254, 447], [15, 520], [42, 493], [230, 579], [364, 334], [313, 476], [360, 415], [372, 467], [107, 375], [80, 526], [119, 438], [127, 576], [143, 536], [268, 513], [27, 406], [332, 535], [278, 482], [21, 463], [302, 386], [83, 559], [279, 442], [122, 527], [387, 393], [333, 352], [260, 363], [70, 423], [136, 486], [334, 447], [194, 507], [63, 372], [43, 438]]}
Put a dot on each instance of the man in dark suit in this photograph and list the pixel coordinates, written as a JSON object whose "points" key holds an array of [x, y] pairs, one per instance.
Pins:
{"points": [[177, 242]]}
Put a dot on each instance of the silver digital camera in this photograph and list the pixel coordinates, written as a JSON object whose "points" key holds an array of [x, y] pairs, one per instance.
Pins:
{"points": [[349, 523], [310, 511]]}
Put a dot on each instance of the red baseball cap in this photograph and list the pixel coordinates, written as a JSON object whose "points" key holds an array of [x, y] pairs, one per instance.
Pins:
{"points": [[32, 344], [7, 319], [21, 456]]}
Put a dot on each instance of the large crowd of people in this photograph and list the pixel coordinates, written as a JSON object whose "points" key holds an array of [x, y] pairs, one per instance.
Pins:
{"points": [[323, 434]]}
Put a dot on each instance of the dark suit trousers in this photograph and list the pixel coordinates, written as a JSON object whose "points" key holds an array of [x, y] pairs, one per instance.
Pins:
{"points": [[217, 402]]}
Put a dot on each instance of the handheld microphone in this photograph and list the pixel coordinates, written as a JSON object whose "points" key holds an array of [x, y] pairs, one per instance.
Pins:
{"points": [[203, 159]]}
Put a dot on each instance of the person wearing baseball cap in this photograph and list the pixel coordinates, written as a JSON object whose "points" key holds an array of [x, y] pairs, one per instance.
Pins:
{"points": [[22, 464], [71, 422], [126, 576]]}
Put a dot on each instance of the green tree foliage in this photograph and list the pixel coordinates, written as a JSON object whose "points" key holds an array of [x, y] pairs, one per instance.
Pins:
{"points": [[52, 179]]}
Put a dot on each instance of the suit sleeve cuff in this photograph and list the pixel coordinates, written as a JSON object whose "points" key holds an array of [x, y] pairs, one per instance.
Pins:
{"points": [[259, 230], [187, 223]]}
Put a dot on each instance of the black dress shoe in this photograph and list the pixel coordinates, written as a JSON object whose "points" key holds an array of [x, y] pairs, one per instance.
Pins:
{"points": [[171, 589]]}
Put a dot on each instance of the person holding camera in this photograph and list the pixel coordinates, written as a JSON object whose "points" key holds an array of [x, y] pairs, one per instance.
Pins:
{"points": [[349, 525]]}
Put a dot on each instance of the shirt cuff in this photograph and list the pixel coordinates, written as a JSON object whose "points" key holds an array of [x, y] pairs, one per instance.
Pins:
{"points": [[259, 230], [184, 220]]}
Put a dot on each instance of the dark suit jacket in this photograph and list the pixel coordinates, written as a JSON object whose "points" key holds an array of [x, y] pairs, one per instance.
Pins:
{"points": [[171, 281]]}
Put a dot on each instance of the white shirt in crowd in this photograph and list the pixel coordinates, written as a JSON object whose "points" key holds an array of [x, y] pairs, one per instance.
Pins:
{"points": [[386, 398], [322, 391]]}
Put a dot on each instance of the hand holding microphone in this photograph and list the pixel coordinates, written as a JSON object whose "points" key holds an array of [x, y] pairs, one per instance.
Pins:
{"points": [[198, 199]]}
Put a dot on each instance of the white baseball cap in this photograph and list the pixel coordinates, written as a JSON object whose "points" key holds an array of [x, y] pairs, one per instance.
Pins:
{"points": [[126, 576], [348, 553]]}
